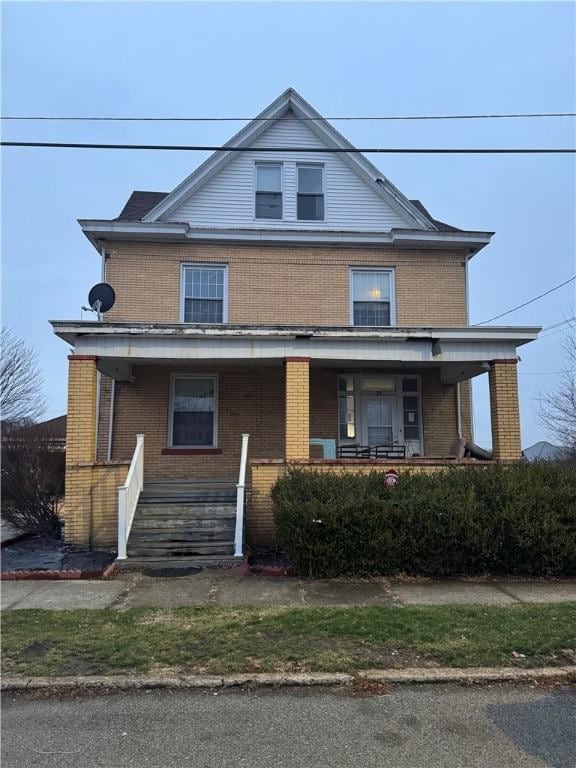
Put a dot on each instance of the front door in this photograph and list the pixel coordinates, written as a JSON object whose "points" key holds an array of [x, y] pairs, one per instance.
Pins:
{"points": [[379, 422]]}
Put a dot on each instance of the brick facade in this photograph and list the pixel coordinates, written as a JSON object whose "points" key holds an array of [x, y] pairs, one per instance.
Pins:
{"points": [[504, 410], [297, 404], [285, 284]]}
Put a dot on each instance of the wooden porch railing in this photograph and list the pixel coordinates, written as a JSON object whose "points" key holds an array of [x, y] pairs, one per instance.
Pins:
{"points": [[128, 495], [240, 487]]}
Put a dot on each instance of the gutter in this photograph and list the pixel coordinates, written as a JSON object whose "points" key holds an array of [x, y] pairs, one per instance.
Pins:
{"points": [[99, 231]]}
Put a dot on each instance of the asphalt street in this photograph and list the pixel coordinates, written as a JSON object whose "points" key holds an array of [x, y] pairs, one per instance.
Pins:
{"points": [[408, 727]]}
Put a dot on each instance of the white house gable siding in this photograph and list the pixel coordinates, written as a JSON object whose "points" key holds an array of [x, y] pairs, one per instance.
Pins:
{"points": [[227, 200]]}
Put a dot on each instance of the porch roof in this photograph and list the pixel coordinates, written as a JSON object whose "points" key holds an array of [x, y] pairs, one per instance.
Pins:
{"points": [[462, 351]]}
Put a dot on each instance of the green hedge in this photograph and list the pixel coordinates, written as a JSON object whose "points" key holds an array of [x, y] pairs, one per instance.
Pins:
{"points": [[518, 519]]}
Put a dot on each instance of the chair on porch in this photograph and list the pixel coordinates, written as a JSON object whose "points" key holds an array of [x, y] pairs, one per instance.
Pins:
{"points": [[354, 452], [388, 452]]}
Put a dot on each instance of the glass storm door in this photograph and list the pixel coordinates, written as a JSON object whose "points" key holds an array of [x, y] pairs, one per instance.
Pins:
{"points": [[379, 422]]}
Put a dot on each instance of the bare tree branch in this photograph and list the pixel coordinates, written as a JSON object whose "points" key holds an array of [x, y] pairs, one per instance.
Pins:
{"points": [[558, 407], [21, 398]]}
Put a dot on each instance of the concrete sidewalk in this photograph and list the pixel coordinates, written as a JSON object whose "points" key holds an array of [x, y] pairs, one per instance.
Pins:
{"points": [[212, 587]]}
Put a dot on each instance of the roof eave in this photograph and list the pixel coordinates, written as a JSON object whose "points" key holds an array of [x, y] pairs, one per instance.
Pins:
{"points": [[99, 231]]}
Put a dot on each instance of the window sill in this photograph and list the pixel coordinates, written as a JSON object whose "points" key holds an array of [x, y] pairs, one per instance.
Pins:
{"points": [[190, 451]]}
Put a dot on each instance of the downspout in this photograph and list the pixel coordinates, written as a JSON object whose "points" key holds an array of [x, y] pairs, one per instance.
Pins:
{"points": [[98, 374], [470, 387], [111, 420], [458, 411]]}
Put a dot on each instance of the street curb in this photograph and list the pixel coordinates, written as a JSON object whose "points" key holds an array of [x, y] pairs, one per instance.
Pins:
{"points": [[264, 679]]}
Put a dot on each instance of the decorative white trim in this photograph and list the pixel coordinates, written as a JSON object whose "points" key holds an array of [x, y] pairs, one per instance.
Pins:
{"points": [[322, 166], [398, 416], [388, 270], [99, 230], [173, 377], [280, 164], [187, 265]]}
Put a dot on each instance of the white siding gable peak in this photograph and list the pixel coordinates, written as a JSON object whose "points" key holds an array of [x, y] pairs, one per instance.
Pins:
{"points": [[220, 191]]}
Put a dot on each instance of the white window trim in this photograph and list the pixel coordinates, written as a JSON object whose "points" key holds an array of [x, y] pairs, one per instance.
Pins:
{"points": [[398, 395], [173, 377], [388, 270], [255, 186], [188, 265], [311, 165]]}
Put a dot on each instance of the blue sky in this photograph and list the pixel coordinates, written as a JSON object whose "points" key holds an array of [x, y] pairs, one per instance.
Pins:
{"points": [[220, 59]]}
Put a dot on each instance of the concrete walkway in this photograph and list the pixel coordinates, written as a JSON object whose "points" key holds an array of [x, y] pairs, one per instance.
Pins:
{"points": [[130, 590]]}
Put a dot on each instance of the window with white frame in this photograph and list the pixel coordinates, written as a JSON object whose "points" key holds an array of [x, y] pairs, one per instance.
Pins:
{"points": [[203, 294], [372, 297], [310, 202], [193, 412], [268, 203]]}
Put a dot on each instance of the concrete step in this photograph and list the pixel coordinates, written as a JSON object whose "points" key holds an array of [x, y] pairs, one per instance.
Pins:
{"points": [[177, 561]]}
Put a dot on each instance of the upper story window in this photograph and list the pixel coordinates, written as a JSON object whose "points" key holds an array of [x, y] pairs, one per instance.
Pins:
{"points": [[268, 191], [372, 297], [204, 292], [310, 203]]}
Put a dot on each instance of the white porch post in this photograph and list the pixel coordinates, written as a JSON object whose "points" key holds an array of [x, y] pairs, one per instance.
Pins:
{"points": [[239, 532]]}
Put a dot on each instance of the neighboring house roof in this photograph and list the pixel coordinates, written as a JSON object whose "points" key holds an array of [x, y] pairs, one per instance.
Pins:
{"points": [[542, 450], [51, 430], [140, 203]]}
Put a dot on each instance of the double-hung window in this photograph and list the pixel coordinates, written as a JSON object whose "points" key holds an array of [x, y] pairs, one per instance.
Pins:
{"points": [[268, 191], [372, 297], [204, 293], [193, 412], [310, 203]]}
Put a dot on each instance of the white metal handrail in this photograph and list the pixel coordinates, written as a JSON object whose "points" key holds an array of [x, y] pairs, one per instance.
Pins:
{"points": [[241, 485], [128, 495]]}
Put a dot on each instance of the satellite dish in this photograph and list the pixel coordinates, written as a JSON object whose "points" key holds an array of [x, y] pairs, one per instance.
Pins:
{"points": [[101, 297]]}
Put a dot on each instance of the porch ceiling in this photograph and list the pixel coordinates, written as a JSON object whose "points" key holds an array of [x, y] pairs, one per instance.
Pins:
{"points": [[461, 352]]}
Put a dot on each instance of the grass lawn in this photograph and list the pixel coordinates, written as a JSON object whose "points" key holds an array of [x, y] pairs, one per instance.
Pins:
{"points": [[220, 640]]}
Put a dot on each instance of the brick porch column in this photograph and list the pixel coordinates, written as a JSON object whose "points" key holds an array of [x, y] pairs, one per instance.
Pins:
{"points": [[297, 408], [504, 410], [80, 448]]}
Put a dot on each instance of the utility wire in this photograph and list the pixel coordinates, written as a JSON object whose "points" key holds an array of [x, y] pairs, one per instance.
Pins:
{"points": [[545, 373], [329, 150], [530, 301], [562, 322], [301, 119]]}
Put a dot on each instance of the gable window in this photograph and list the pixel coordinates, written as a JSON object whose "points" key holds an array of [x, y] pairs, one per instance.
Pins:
{"points": [[372, 299], [268, 190], [204, 293], [193, 412], [310, 202]]}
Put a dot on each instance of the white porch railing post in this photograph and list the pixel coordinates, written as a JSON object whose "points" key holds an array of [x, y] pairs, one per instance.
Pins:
{"points": [[239, 532], [128, 495], [122, 523]]}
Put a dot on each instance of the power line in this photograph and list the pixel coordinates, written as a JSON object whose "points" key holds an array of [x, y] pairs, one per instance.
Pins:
{"points": [[545, 373], [117, 119], [329, 150], [530, 301], [562, 322], [559, 330]]}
